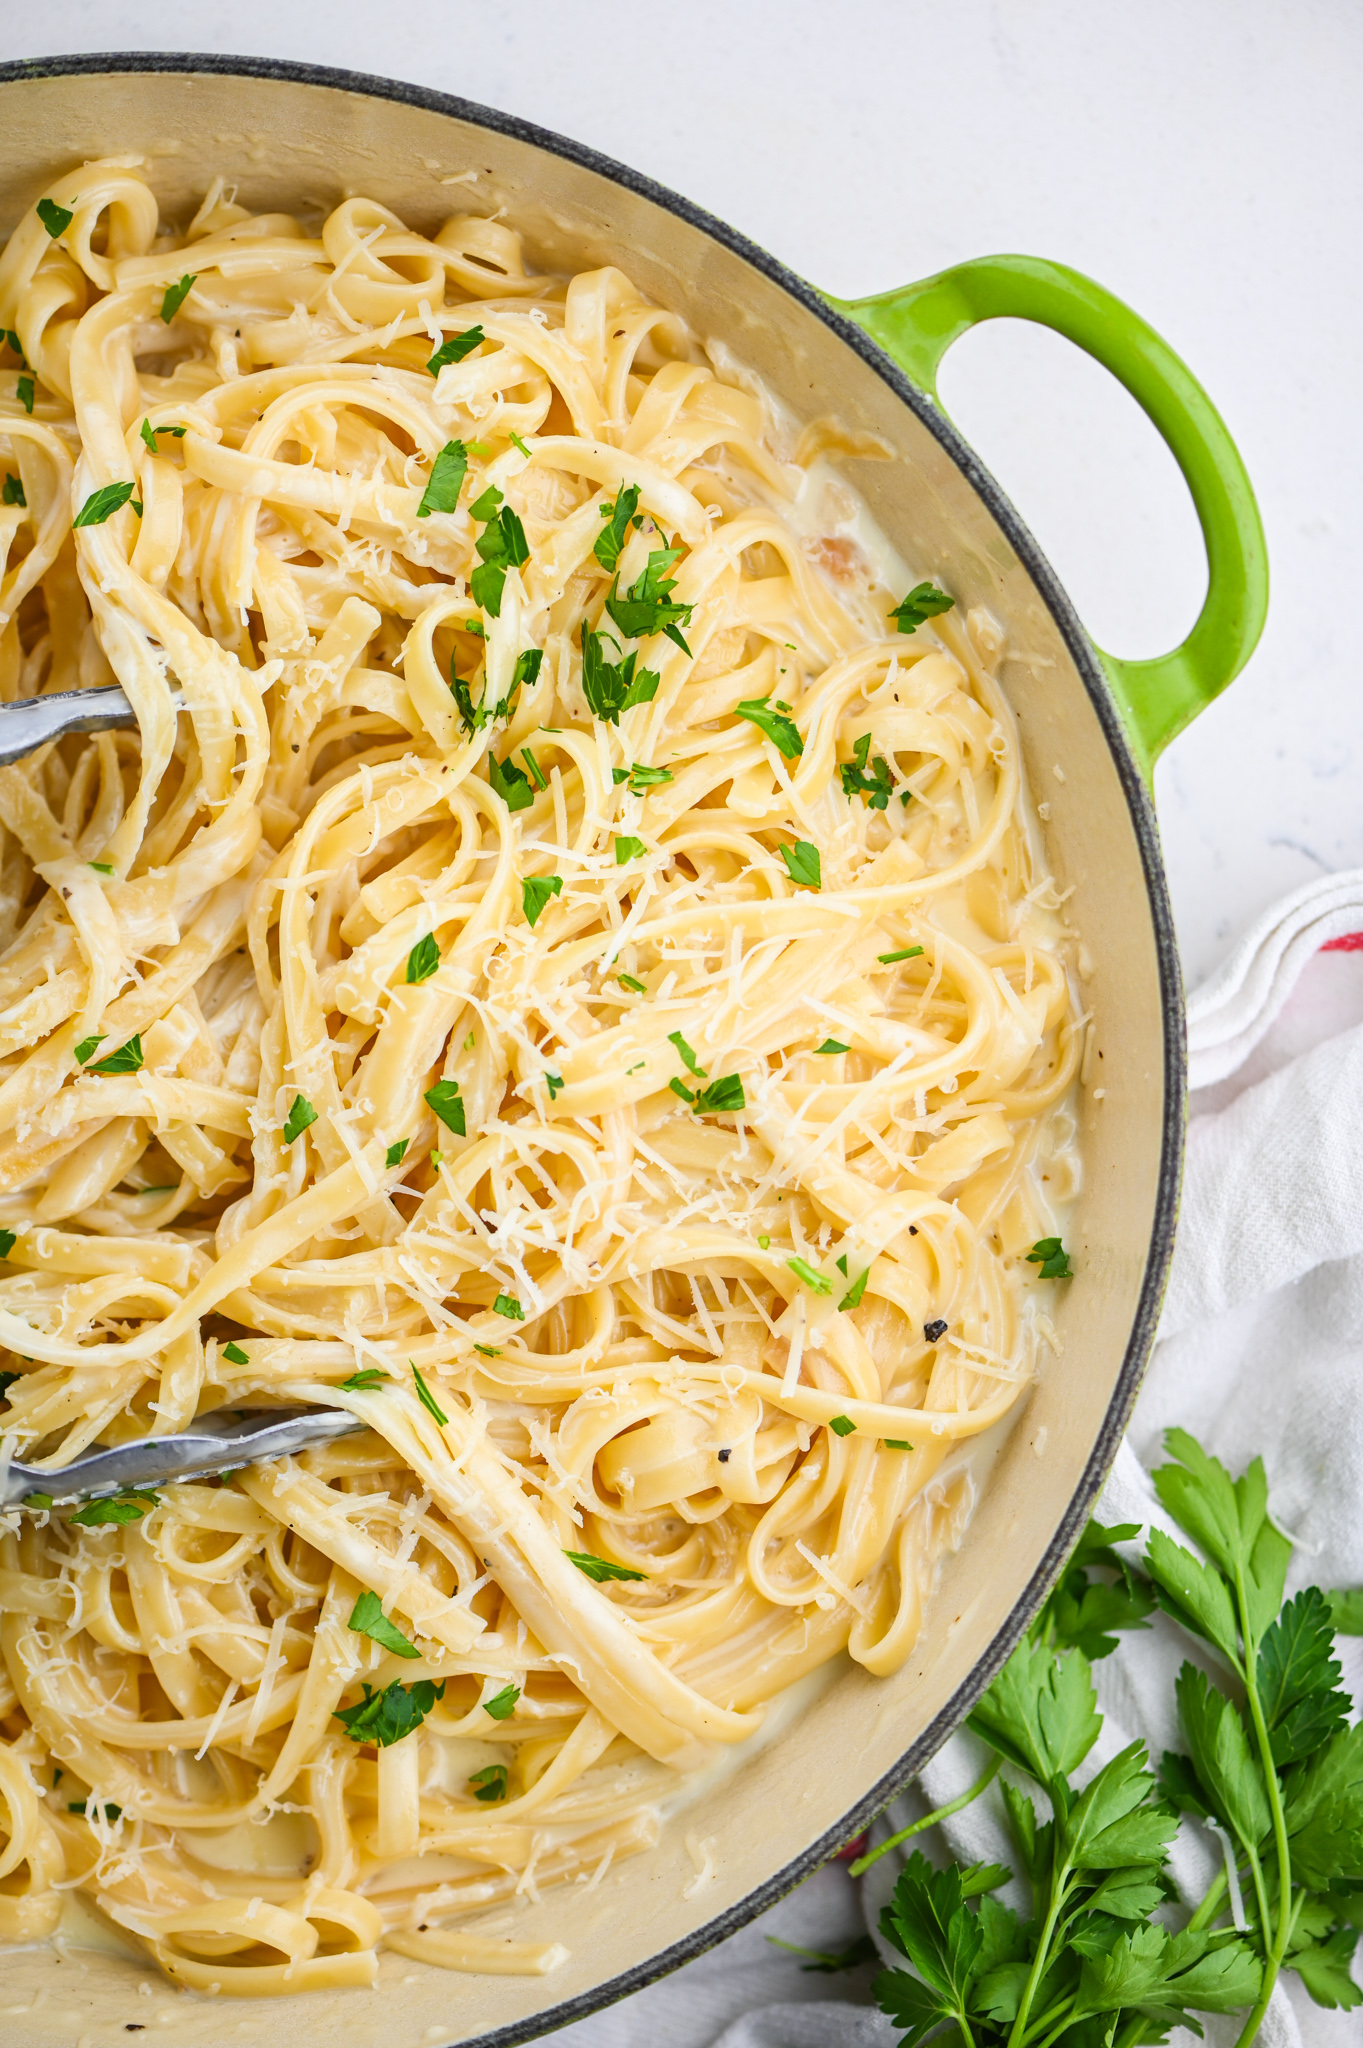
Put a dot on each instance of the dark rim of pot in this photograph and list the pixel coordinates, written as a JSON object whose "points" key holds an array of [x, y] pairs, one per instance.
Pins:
{"points": [[1142, 816]]}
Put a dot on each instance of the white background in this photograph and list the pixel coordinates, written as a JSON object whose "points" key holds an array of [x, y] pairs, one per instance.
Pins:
{"points": [[1199, 157]]}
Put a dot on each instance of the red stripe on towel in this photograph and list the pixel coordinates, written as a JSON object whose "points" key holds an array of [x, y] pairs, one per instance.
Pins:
{"points": [[1348, 942]]}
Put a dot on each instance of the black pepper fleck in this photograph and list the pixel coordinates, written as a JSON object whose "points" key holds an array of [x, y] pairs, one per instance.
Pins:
{"points": [[913, 1230], [932, 1331], [724, 1457], [295, 746]]}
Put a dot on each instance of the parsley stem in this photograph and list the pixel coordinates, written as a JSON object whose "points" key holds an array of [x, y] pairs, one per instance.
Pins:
{"points": [[1272, 1957], [1041, 1961], [929, 1820], [1211, 1904], [1049, 2027]]}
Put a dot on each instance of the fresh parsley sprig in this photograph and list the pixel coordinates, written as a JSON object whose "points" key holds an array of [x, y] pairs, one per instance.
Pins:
{"points": [[1272, 1760], [647, 607], [611, 687]]}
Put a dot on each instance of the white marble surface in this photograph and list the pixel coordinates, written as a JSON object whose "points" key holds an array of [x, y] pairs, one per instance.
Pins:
{"points": [[1200, 157]]}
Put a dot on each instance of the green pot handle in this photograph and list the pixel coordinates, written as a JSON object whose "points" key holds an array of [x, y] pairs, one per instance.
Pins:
{"points": [[917, 325]]}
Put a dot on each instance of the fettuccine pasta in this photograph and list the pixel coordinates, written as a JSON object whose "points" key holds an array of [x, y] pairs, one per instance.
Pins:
{"points": [[563, 969]]}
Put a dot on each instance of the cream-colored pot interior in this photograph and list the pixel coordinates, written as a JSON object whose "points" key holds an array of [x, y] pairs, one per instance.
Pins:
{"points": [[286, 141]]}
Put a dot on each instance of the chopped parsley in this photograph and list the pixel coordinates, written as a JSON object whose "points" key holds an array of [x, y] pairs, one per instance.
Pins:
{"points": [[502, 1705], [553, 1082], [640, 777], [803, 864], [13, 491], [905, 953], [12, 340], [688, 1057], [619, 516], [455, 348], [234, 1354], [393, 1156], [627, 849], [810, 1275], [103, 503], [536, 772], [488, 1350], [925, 601], [128, 1506], [490, 1783], [896, 1443], [527, 667], [508, 1306], [424, 959], [535, 893], [721, 1097], [443, 1098], [427, 1398], [149, 433], [385, 1717], [445, 481], [599, 1569], [364, 1381], [127, 1060], [501, 545], [636, 987], [176, 295], [611, 687], [23, 391], [101, 867], [764, 1241], [1053, 1261], [876, 784], [511, 783], [103, 1809], [367, 1618], [485, 507], [56, 219], [517, 443], [841, 1425], [299, 1117], [776, 724], [852, 1298], [832, 1045], [85, 1050], [7, 1379], [646, 607]]}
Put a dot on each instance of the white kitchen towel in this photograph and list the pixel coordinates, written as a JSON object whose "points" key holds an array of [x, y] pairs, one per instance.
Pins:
{"points": [[1260, 1352]]}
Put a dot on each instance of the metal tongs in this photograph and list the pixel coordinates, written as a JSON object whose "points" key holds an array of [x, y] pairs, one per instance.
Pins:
{"points": [[216, 1443]]}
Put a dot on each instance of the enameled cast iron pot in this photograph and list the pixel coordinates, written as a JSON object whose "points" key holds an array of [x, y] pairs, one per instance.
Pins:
{"points": [[1091, 728]]}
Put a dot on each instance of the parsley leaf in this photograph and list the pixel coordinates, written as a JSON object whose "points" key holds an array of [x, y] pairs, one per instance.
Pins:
{"points": [[639, 989], [599, 1569], [424, 959], [127, 1060], [501, 546], [176, 294], [502, 1705], [841, 1425], [832, 1045], [56, 219], [427, 1398], [811, 1276], [852, 1298], [365, 1381], [536, 891], [1346, 1608], [1051, 1257], [393, 1156], [455, 348], [86, 1048], [610, 542], [385, 1717], [803, 864], [103, 503], [646, 606], [511, 783], [722, 1097], [490, 1783], [299, 1117], [367, 1618], [445, 481], [23, 391], [925, 601], [128, 1506], [627, 849], [612, 687], [508, 1306], [1299, 1679], [13, 491], [688, 1057], [234, 1354], [443, 1098], [874, 785], [778, 727]]}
